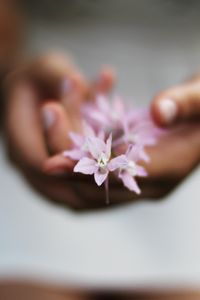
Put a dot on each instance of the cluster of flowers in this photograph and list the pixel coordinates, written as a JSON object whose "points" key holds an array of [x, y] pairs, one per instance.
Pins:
{"points": [[113, 140]]}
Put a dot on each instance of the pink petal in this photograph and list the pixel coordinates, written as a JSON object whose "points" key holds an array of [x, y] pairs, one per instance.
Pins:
{"points": [[118, 162], [103, 104], [100, 176], [134, 152], [95, 146], [108, 146], [125, 126], [129, 182], [141, 171], [76, 138], [87, 129], [144, 156], [138, 115], [99, 117], [118, 106], [74, 154], [86, 166], [101, 135], [92, 115]]}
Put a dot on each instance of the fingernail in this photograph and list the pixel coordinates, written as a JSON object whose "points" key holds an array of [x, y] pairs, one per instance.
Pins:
{"points": [[48, 117], [168, 110], [66, 87]]}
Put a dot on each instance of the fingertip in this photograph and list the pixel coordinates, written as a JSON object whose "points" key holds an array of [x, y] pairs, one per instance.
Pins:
{"points": [[55, 125], [108, 73], [52, 112], [164, 110], [57, 165], [105, 81], [49, 115], [108, 77]]}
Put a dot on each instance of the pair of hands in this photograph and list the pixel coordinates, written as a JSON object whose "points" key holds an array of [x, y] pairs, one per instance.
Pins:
{"points": [[42, 106]]}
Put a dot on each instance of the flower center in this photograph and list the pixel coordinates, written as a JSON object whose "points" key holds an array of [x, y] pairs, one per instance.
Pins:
{"points": [[132, 137], [84, 147], [115, 116], [102, 160], [132, 168]]}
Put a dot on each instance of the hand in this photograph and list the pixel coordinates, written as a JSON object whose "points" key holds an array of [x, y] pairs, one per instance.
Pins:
{"points": [[43, 100], [175, 155]]}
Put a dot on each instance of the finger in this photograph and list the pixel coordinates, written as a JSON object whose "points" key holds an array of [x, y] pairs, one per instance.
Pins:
{"points": [[76, 82], [177, 104], [24, 130], [56, 189], [58, 165], [56, 125], [74, 92], [105, 81], [72, 102], [179, 159]]}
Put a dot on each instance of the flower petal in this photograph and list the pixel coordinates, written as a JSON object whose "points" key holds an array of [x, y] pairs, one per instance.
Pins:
{"points": [[76, 138], [100, 176], [141, 171], [87, 129], [95, 146], [118, 162], [101, 135], [99, 118], [74, 154], [144, 156], [118, 106], [129, 182], [134, 152], [103, 104], [108, 146], [86, 166]]}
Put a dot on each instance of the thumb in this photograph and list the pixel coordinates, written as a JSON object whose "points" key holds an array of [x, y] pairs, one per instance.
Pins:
{"points": [[177, 104], [56, 126]]}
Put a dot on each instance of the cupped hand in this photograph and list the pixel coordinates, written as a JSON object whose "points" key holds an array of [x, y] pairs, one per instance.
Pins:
{"points": [[43, 98], [37, 131], [176, 154]]}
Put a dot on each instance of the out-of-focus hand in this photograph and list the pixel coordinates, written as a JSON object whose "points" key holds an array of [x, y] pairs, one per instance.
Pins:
{"points": [[172, 159], [37, 131], [177, 153], [43, 101]]}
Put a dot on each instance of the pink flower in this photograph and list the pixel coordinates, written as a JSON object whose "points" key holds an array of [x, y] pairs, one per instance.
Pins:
{"points": [[110, 128], [79, 149], [97, 163], [139, 129], [79, 141], [106, 114], [128, 168]]}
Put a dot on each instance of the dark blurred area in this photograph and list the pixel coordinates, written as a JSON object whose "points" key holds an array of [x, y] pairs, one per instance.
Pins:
{"points": [[13, 290]]}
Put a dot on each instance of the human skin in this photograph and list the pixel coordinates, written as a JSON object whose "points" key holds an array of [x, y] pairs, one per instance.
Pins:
{"points": [[10, 39]]}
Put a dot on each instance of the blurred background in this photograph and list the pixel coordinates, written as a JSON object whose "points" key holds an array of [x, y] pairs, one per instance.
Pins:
{"points": [[152, 45], [150, 247]]}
